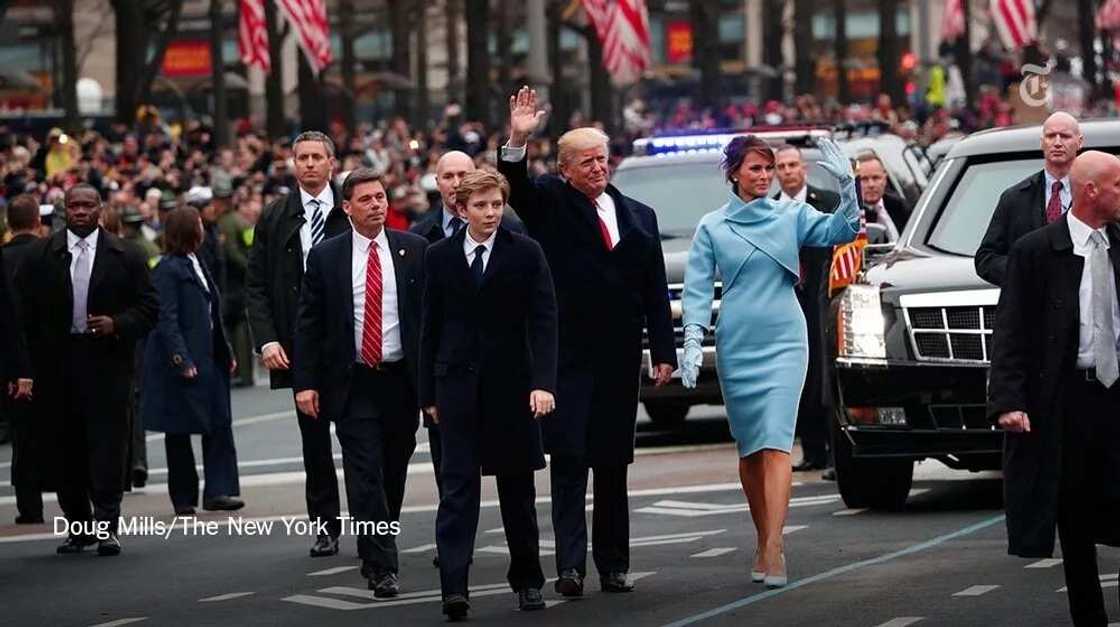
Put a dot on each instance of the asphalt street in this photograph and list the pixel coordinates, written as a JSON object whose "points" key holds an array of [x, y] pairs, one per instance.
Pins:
{"points": [[942, 561]]}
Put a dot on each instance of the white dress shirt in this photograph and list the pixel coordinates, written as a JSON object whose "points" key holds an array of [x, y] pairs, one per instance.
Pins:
{"points": [[1066, 194], [470, 245], [198, 270], [326, 203], [604, 206], [799, 196], [882, 216], [392, 348], [72, 245], [1080, 232]]}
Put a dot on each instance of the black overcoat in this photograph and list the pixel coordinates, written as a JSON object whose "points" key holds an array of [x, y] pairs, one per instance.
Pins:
{"points": [[276, 272], [189, 333], [483, 349], [119, 287], [1034, 350], [1020, 210], [605, 301]]}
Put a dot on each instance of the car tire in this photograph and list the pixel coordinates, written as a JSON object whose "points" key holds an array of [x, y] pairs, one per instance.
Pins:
{"points": [[667, 413], [870, 483]]}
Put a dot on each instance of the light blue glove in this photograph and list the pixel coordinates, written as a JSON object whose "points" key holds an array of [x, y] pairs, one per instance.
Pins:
{"points": [[693, 355], [835, 162]]}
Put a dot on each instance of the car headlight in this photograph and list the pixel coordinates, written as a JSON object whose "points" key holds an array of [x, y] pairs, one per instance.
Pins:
{"points": [[860, 327]]}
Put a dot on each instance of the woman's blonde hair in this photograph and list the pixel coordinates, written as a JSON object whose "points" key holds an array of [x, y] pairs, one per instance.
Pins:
{"points": [[580, 139]]}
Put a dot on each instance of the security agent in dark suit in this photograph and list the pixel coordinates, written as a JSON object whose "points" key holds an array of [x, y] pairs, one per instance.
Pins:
{"points": [[604, 250], [814, 411], [1034, 202], [442, 221], [879, 206], [487, 374], [85, 300], [1054, 385], [282, 240], [30, 477], [355, 359]]}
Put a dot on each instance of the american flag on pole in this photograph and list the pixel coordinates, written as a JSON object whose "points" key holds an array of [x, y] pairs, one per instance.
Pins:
{"points": [[847, 260], [1015, 22], [952, 21], [1108, 17], [309, 20], [252, 35], [623, 29]]}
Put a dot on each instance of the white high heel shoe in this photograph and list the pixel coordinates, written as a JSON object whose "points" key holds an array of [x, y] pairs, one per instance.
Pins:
{"points": [[779, 579], [757, 576]]}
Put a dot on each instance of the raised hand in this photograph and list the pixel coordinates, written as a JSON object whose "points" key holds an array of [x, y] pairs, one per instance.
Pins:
{"points": [[835, 162], [524, 117]]}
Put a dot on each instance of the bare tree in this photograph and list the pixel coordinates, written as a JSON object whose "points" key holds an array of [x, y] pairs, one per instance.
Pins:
{"points": [[772, 34], [840, 43], [142, 25], [453, 15], [705, 29], [803, 45], [1087, 35], [400, 62], [478, 60], [889, 52], [349, 80], [64, 18]]}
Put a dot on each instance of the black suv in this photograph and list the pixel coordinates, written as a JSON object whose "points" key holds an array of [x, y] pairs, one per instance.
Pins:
{"points": [[913, 338]]}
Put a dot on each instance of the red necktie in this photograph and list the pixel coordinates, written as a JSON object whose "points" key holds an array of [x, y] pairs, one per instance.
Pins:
{"points": [[1054, 207], [371, 324], [603, 230]]}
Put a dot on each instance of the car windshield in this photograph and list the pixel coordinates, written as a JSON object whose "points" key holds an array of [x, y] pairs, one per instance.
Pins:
{"points": [[681, 193], [962, 224]]}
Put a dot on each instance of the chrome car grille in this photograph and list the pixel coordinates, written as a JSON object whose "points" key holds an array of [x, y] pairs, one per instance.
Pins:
{"points": [[957, 334], [675, 291]]}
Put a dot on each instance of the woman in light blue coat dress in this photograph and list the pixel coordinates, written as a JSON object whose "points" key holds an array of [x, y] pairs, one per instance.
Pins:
{"points": [[751, 244]]}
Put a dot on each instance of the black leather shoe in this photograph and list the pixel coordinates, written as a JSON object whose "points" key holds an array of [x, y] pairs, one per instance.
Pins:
{"points": [[184, 510], [615, 582], [456, 606], [223, 503], [109, 546], [808, 465], [324, 546], [75, 544], [529, 600], [829, 475], [29, 519], [139, 477], [384, 586], [570, 583]]}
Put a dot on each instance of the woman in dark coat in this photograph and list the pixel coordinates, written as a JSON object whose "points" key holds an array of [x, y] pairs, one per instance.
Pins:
{"points": [[187, 364]]}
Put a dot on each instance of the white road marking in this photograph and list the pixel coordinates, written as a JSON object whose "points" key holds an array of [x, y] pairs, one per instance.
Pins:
{"points": [[715, 552], [496, 530], [123, 621], [226, 597], [849, 512], [693, 510], [1107, 581], [902, 621], [1046, 563], [788, 529], [974, 591], [411, 598], [333, 571], [243, 422], [419, 549]]}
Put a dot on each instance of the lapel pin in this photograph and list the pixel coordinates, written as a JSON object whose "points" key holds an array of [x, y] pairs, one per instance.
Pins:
{"points": [[401, 252]]}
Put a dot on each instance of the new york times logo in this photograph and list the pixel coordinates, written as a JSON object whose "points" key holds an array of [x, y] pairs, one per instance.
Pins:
{"points": [[1034, 89]]}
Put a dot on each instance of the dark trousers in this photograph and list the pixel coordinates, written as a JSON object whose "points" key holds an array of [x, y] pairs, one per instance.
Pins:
{"points": [[457, 525], [610, 518], [95, 434], [1090, 469], [238, 326], [321, 484], [27, 458], [378, 436], [435, 449], [138, 448], [219, 464]]}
